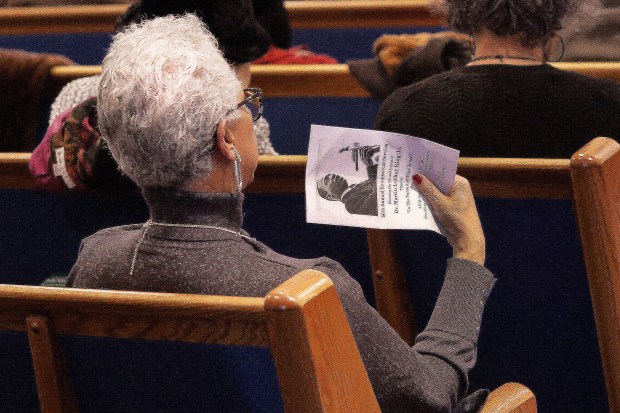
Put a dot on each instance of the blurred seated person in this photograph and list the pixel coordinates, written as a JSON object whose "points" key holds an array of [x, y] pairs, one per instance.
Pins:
{"points": [[179, 124], [232, 22], [597, 36], [507, 102]]}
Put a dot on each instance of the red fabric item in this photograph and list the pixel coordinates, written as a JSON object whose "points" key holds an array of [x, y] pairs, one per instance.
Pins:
{"points": [[40, 160], [298, 55]]}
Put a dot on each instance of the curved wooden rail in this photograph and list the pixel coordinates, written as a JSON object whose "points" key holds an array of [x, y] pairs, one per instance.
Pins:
{"points": [[510, 398], [302, 15], [596, 181], [301, 321], [359, 14], [60, 19], [489, 177], [330, 80], [14, 173]]}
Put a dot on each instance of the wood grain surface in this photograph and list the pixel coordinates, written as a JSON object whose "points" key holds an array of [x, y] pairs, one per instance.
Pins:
{"points": [[510, 398], [390, 283], [596, 182], [154, 316], [490, 177], [333, 80], [302, 15], [302, 321], [53, 383], [314, 350]]}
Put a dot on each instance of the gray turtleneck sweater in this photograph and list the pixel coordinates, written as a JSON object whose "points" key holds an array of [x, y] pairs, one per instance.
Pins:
{"points": [[430, 376]]}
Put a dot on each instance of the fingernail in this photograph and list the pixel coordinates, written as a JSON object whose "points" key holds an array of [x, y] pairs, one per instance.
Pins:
{"points": [[417, 179]]}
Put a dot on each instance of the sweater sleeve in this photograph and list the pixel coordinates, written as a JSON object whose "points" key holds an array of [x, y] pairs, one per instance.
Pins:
{"points": [[75, 269], [431, 376]]}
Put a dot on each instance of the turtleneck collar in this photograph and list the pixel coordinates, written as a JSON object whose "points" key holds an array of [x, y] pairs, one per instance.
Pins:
{"points": [[175, 206]]}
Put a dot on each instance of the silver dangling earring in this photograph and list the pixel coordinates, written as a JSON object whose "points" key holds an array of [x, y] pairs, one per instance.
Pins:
{"points": [[237, 167]]}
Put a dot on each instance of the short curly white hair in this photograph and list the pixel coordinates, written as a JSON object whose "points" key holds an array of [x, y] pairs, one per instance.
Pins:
{"points": [[165, 86]]}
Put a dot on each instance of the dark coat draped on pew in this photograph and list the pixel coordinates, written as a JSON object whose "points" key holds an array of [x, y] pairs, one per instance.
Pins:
{"points": [[25, 87]]}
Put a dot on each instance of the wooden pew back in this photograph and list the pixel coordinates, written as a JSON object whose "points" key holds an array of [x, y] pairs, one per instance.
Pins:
{"points": [[592, 180], [302, 15], [329, 80], [301, 321], [492, 178], [489, 177], [595, 171]]}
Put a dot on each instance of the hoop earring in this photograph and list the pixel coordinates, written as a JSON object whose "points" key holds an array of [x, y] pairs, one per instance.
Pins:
{"points": [[562, 50], [237, 168], [563, 44]]}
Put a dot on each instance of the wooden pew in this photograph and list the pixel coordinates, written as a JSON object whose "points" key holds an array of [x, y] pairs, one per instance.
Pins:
{"points": [[14, 173], [595, 171], [276, 174], [302, 15], [330, 80], [301, 321], [591, 178], [316, 370], [489, 177], [492, 178]]}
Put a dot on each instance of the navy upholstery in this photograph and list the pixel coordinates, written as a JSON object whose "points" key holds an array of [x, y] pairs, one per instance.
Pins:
{"points": [[538, 327], [112, 375], [18, 389]]}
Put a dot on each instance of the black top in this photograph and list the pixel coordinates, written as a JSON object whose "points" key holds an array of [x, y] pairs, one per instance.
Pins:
{"points": [[506, 111]]}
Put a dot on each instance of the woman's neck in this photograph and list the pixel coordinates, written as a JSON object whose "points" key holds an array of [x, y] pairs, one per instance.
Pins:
{"points": [[221, 178], [507, 50]]}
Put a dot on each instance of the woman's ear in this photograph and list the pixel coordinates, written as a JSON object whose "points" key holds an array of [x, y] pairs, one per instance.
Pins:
{"points": [[224, 141]]}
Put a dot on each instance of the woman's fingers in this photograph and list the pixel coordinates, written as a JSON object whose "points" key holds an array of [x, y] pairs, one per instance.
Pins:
{"points": [[429, 191], [456, 213]]}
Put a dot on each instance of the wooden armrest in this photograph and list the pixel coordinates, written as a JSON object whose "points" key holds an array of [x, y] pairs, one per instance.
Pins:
{"points": [[510, 398]]}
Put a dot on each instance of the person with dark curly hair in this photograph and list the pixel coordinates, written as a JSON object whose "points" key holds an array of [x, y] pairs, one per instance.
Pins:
{"points": [[508, 102]]}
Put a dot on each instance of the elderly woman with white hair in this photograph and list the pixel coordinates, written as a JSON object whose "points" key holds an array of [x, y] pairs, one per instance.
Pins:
{"points": [[508, 102], [179, 124]]}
